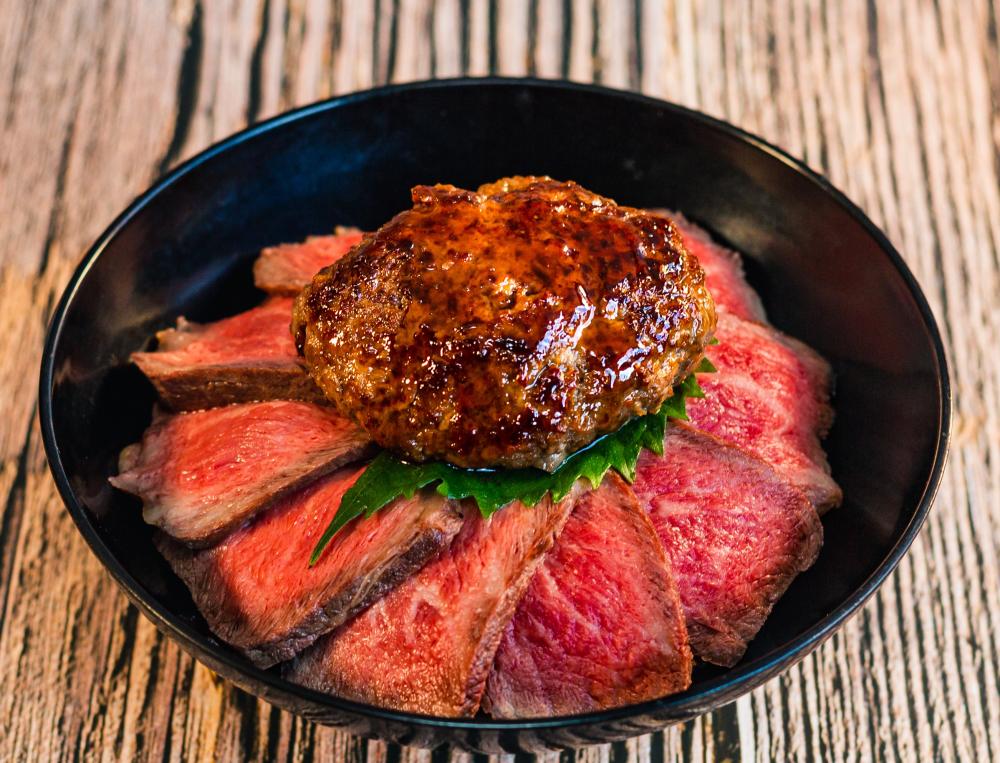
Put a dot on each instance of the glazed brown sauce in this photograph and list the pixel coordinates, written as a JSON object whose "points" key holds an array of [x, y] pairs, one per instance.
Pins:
{"points": [[509, 326]]}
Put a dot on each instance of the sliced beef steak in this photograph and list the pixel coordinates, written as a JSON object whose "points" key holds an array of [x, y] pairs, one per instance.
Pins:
{"points": [[723, 268], [428, 645], [257, 591], [601, 624], [735, 532], [771, 397], [249, 356], [203, 473], [286, 268]]}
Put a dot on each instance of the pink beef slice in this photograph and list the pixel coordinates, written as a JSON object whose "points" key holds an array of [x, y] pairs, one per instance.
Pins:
{"points": [[724, 276], [601, 625], [735, 532], [257, 591], [771, 397], [286, 268], [427, 647], [202, 474], [246, 357]]}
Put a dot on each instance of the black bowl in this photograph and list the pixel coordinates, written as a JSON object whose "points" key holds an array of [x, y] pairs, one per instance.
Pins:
{"points": [[825, 272]]}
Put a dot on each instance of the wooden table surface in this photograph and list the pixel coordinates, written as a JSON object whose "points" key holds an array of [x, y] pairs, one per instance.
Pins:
{"points": [[898, 102]]}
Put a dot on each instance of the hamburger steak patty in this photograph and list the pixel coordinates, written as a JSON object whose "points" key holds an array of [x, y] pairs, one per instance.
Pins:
{"points": [[505, 327]]}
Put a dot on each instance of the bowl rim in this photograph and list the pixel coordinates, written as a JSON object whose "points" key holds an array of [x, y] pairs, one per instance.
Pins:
{"points": [[725, 687]]}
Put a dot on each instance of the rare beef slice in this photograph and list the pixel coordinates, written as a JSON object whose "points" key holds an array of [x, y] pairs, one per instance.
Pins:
{"points": [[247, 357], [771, 397], [201, 474], [286, 268], [735, 532], [601, 624], [428, 645], [257, 591]]}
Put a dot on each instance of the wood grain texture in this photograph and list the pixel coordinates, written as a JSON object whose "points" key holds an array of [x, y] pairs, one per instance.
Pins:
{"points": [[897, 101]]}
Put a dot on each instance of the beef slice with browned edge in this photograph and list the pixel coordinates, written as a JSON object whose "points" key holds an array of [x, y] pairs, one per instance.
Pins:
{"points": [[257, 591], [202, 474], [427, 646], [246, 357]]}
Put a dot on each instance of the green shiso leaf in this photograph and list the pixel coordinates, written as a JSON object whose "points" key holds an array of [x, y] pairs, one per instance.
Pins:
{"points": [[705, 367], [387, 477]]}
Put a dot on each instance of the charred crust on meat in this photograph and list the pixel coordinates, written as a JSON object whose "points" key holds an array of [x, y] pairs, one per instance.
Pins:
{"points": [[509, 326]]}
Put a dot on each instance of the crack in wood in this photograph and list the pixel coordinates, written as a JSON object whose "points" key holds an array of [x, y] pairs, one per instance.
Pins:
{"points": [[187, 89], [57, 209], [10, 522], [256, 62]]}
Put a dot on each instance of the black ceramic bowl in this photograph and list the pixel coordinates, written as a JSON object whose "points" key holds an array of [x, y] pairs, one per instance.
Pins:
{"points": [[826, 275]]}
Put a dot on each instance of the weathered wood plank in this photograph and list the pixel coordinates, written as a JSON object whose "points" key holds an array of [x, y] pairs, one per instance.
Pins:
{"points": [[896, 101]]}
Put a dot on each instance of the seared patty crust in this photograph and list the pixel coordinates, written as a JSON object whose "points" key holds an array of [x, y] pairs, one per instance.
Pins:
{"points": [[505, 327]]}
